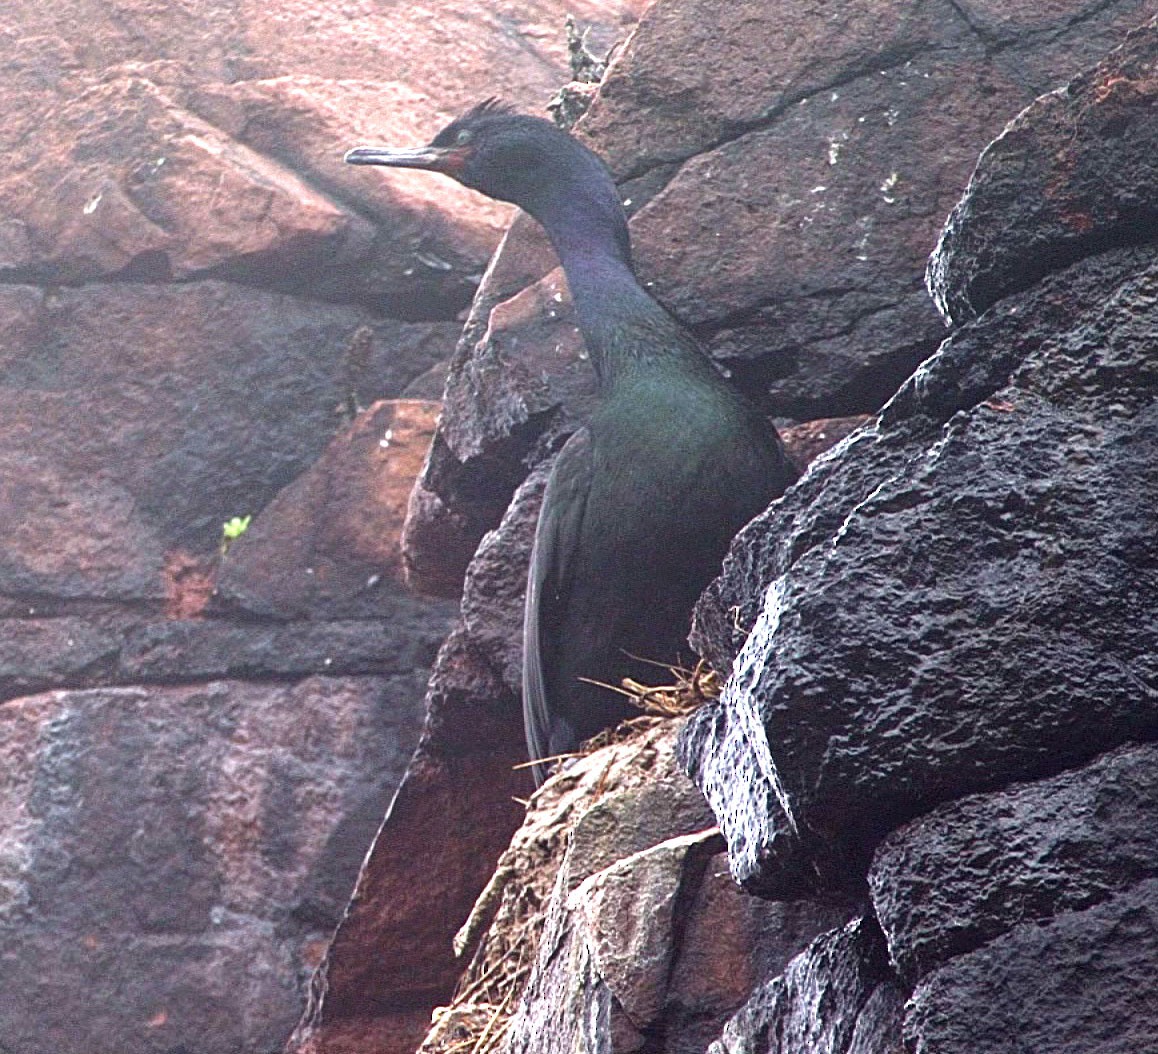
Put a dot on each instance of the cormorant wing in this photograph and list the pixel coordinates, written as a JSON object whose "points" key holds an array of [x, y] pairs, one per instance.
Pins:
{"points": [[556, 540]]}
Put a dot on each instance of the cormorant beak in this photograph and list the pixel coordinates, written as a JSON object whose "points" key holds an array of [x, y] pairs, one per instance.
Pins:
{"points": [[447, 160]]}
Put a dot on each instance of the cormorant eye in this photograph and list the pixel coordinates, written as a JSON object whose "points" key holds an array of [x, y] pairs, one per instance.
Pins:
{"points": [[464, 136]]}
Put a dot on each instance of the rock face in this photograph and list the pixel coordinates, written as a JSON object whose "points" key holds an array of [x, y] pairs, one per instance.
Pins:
{"points": [[173, 858], [198, 302], [392, 960], [1046, 895], [952, 614], [947, 689], [613, 906], [945, 575], [974, 483]]}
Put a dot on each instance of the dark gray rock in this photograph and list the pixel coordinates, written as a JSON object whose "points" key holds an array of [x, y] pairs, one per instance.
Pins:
{"points": [[201, 649], [937, 599], [929, 603], [1070, 175], [41, 653], [120, 649], [837, 997], [1082, 983], [972, 870]]}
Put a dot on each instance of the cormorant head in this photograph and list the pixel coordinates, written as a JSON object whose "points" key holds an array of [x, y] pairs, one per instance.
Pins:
{"points": [[506, 155]]}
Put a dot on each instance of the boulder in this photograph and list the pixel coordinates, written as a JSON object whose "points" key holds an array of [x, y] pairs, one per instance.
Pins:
{"points": [[1082, 981], [430, 239], [959, 599], [123, 182], [1069, 174], [976, 868], [152, 148], [838, 995]]}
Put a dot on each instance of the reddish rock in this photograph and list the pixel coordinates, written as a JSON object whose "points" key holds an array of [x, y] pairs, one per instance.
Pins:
{"points": [[515, 48], [172, 859], [466, 484], [432, 237], [173, 161], [805, 443], [121, 179], [138, 418], [392, 961], [330, 543], [786, 203], [189, 584], [68, 534], [436, 545]]}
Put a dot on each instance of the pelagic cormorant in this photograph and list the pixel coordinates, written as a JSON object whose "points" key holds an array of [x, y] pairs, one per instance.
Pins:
{"points": [[643, 501]]}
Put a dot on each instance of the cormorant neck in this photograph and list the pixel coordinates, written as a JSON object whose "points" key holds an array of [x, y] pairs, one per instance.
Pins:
{"points": [[616, 315]]}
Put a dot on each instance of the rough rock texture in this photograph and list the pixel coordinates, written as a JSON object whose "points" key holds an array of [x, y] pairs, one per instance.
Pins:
{"points": [[621, 799], [154, 144], [1084, 981], [837, 996], [1070, 173], [846, 334], [454, 807], [789, 174], [428, 240], [198, 299], [516, 47], [964, 596], [978, 867], [180, 167], [171, 859], [949, 677], [621, 898]]}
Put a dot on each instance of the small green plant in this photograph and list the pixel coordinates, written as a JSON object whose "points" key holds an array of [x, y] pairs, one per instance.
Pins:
{"points": [[233, 529]]}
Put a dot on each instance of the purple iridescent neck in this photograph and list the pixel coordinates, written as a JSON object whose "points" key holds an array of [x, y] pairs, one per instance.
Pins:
{"points": [[588, 230]]}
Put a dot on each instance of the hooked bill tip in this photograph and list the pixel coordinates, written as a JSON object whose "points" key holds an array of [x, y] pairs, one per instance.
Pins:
{"points": [[427, 157], [360, 155]]}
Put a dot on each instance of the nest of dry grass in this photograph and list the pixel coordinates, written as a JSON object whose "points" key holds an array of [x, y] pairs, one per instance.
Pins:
{"points": [[515, 900]]}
